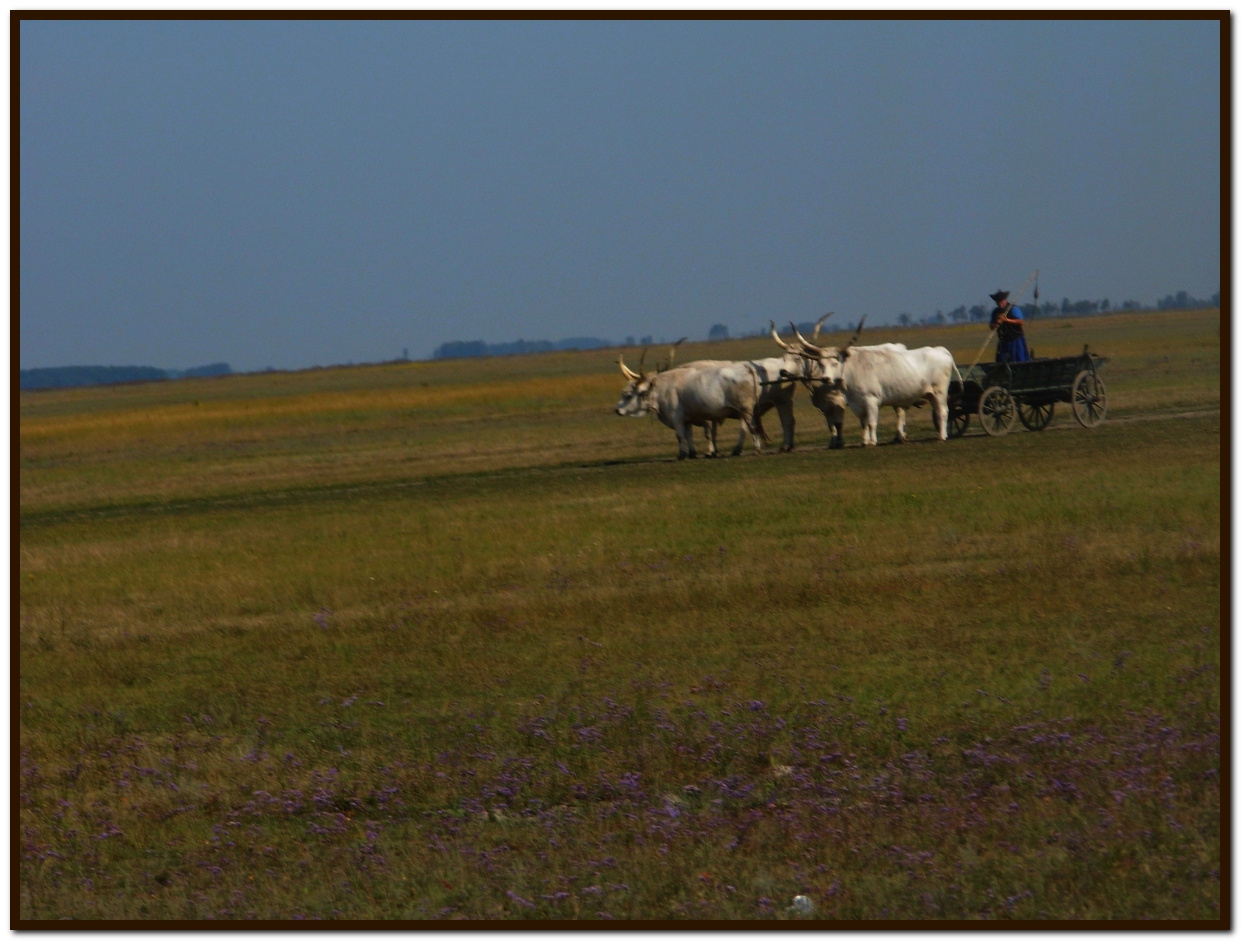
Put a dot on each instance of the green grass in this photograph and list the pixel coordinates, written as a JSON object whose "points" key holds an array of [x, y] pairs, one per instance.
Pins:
{"points": [[340, 645]]}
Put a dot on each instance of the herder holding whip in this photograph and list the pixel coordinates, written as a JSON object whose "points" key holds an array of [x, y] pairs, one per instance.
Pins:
{"points": [[1006, 321]]}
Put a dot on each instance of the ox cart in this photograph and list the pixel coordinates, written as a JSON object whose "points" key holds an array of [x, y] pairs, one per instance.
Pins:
{"points": [[1001, 393]]}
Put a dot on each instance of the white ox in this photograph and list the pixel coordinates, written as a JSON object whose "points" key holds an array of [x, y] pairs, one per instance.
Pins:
{"points": [[774, 391], [695, 394], [870, 378], [829, 399]]}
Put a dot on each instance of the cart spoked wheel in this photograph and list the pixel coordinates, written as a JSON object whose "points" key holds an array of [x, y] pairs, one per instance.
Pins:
{"points": [[997, 411], [1036, 417], [1089, 398], [958, 421]]}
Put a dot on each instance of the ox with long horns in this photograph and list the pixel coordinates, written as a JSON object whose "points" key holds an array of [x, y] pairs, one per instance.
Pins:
{"points": [[773, 392], [695, 394], [889, 375], [798, 364]]}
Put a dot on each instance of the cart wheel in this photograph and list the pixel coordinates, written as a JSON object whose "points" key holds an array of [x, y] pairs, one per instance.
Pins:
{"points": [[1036, 417], [996, 411], [1089, 398], [958, 421]]}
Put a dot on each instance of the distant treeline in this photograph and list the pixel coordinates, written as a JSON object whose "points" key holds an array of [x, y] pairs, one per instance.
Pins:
{"points": [[62, 376], [1065, 308], [1181, 300], [459, 349]]}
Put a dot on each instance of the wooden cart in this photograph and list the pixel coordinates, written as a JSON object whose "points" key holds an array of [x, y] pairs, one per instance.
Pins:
{"points": [[1001, 393]]}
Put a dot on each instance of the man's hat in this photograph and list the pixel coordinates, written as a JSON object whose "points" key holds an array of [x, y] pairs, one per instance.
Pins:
{"points": [[998, 296]]}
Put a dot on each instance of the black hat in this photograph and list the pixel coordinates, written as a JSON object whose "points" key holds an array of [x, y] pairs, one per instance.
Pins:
{"points": [[998, 296]]}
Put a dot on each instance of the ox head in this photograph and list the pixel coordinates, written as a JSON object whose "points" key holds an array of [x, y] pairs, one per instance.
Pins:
{"points": [[635, 398], [795, 365], [826, 363]]}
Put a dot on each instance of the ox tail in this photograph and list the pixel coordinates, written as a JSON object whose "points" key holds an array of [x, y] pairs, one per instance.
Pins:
{"points": [[757, 424], [958, 372]]}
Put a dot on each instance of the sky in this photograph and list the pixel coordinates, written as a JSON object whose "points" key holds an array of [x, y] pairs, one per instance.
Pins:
{"points": [[293, 193]]}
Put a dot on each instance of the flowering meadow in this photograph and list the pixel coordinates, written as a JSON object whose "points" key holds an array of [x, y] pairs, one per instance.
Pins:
{"points": [[400, 644]]}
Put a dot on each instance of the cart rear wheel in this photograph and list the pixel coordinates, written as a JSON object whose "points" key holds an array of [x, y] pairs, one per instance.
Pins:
{"points": [[1036, 417], [958, 421], [997, 411], [1089, 398]]}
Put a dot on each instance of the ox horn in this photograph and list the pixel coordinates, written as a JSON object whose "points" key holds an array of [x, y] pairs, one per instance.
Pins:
{"points": [[818, 324], [807, 346], [776, 336], [672, 352], [856, 334], [629, 373]]}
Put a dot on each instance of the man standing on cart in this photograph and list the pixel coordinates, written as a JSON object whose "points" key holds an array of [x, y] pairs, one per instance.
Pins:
{"points": [[1006, 320]]}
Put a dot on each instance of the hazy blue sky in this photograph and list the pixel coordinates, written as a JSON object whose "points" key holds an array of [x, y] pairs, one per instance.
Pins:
{"points": [[292, 194]]}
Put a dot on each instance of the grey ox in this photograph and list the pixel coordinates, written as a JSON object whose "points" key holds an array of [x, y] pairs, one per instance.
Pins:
{"points": [[827, 398], [774, 391], [869, 378], [702, 394]]}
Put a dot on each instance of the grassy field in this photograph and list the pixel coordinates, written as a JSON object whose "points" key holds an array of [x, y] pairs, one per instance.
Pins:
{"points": [[449, 640]]}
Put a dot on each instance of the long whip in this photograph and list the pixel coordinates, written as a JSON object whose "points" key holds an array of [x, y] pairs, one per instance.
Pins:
{"points": [[985, 343]]}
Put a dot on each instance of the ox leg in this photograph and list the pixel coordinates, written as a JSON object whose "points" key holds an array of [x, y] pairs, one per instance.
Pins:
{"points": [[785, 410], [709, 429], [901, 437], [835, 416], [685, 441], [941, 416], [746, 424], [756, 429], [759, 438], [870, 425], [756, 421]]}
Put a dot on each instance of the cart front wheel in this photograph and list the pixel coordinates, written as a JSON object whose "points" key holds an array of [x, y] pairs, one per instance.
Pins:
{"points": [[997, 411], [1036, 417], [1089, 398], [958, 421]]}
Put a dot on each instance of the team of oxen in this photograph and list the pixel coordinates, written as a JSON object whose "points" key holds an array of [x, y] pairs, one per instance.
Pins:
{"points": [[864, 379]]}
